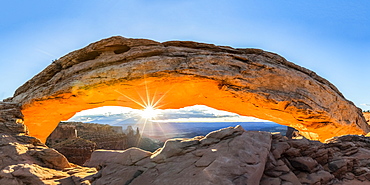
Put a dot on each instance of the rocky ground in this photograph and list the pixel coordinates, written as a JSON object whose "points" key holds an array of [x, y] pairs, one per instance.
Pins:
{"points": [[236, 156], [24, 159], [343, 160], [227, 156]]}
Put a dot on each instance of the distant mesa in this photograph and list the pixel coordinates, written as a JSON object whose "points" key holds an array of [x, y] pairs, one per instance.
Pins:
{"points": [[249, 82], [77, 140]]}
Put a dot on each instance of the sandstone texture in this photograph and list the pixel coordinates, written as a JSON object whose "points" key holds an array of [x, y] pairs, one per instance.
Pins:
{"points": [[25, 159], [16, 146], [227, 156], [343, 160], [132, 72], [76, 150], [137, 72], [367, 117], [235, 156], [11, 119]]}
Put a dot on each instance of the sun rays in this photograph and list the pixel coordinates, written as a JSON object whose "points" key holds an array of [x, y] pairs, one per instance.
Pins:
{"points": [[149, 112], [150, 104]]}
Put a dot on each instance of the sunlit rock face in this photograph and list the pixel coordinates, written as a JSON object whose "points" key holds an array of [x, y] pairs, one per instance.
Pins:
{"points": [[250, 82], [367, 116], [25, 157]]}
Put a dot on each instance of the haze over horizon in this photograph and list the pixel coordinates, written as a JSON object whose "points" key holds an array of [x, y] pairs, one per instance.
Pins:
{"points": [[173, 123], [115, 115], [330, 38]]}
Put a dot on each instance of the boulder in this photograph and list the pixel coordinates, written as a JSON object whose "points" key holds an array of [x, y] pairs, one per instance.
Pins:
{"points": [[304, 164], [28, 174]]}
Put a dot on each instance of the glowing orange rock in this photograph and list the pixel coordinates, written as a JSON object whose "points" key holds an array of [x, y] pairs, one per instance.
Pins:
{"points": [[250, 82], [367, 116]]}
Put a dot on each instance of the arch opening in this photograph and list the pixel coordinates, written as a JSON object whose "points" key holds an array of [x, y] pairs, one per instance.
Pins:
{"points": [[187, 122], [119, 128]]}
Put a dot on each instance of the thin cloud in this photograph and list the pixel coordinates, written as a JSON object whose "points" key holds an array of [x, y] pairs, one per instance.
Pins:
{"points": [[46, 53]]}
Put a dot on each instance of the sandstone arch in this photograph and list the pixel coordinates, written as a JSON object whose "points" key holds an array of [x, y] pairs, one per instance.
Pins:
{"points": [[249, 82]]}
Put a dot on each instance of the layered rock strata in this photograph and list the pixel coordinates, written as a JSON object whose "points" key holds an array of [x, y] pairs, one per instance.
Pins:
{"points": [[25, 159], [77, 140], [76, 150], [133, 72], [11, 119], [104, 136]]}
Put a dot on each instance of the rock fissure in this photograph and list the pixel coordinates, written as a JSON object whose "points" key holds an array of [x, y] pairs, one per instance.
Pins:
{"points": [[136, 175]]}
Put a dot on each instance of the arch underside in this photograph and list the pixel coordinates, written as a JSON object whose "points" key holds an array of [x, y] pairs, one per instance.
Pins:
{"points": [[119, 71]]}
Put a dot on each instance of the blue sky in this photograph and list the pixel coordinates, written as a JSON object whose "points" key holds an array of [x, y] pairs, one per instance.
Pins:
{"points": [[329, 37]]}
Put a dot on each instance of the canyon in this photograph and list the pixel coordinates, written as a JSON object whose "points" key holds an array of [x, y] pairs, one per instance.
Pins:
{"points": [[77, 140], [137, 73]]}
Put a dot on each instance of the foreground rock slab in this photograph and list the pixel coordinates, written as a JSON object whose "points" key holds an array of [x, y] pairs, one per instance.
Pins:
{"points": [[235, 156], [228, 156]]}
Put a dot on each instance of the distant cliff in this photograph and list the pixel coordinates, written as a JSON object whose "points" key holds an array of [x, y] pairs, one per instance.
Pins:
{"points": [[77, 140]]}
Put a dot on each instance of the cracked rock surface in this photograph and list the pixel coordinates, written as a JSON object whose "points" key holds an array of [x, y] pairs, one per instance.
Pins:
{"points": [[227, 156], [343, 160], [235, 156]]}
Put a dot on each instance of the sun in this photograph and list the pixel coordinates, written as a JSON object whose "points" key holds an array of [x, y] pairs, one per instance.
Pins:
{"points": [[149, 112]]}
